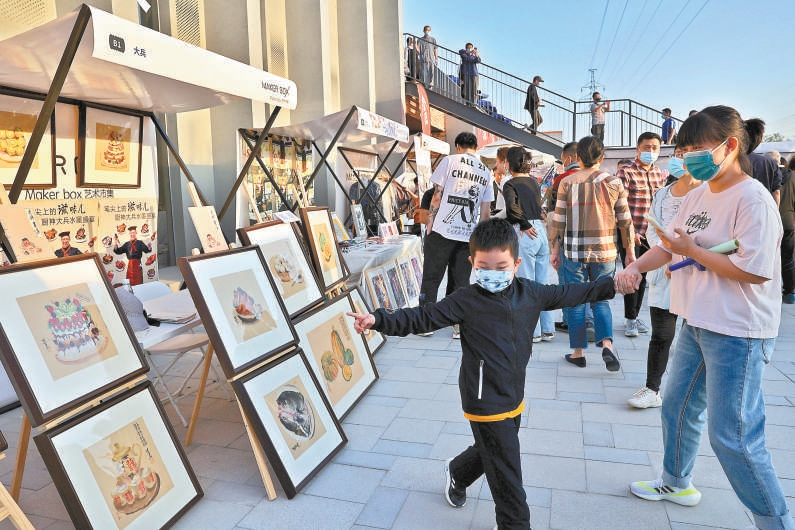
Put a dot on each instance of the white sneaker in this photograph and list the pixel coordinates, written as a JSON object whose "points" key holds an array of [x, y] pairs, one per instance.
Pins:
{"points": [[428, 334], [537, 339], [657, 490], [632, 328], [642, 327], [456, 332], [645, 398]]}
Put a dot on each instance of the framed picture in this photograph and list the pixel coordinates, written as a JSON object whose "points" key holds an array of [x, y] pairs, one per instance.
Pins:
{"points": [[378, 285], [326, 255], [208, 228], [17, 118], [340, 231], [120, 465], [359, 224], [236, 298], [375, 340], [62, 337], [409, 279], [289, 264], [109, 144], [416, 266], [337, 354], [291, 418], [395, 285], [386, 230]]}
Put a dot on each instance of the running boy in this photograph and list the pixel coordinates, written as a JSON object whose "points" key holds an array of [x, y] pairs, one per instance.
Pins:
{"points": [[497, 317]]}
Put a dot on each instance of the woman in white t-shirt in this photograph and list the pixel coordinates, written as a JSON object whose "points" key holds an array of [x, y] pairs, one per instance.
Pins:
{"points": [[731, 314]]}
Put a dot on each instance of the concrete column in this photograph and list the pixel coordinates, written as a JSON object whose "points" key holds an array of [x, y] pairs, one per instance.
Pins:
{"points": [[357, 68], [390, 92]]}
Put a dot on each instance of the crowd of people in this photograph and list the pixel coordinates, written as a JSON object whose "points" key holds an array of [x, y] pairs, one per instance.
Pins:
{"points": [[497, 228]]}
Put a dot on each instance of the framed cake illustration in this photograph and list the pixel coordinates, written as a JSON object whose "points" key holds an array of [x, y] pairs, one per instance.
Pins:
{"points": [[120, 464], [109, 144], [289, 265], [238, 303], [63, 338]]}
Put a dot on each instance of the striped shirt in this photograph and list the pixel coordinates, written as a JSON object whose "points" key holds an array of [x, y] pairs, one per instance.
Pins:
{"points": [[590, 206], [641, 185]]}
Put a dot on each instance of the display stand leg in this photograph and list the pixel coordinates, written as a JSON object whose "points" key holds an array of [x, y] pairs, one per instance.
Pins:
{"points": [[9, 509], [22, 455], [259, 456], [194, 417]]}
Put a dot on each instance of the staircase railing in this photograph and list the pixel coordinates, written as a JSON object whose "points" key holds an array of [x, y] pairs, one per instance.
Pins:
{"points": [[502, 96]]}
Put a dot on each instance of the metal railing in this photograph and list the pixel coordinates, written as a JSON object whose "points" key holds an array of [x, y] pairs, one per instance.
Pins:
{"points": [[502, 96]]}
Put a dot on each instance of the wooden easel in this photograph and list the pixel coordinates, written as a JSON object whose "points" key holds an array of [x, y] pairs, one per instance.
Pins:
{"points": [[9, 509], [259, 453]]}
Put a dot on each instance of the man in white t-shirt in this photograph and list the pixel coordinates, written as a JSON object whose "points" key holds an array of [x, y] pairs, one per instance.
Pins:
{"points": [[598, 109], [462, 196]]}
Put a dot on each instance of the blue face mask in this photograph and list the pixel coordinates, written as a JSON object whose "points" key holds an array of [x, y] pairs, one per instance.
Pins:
{"points": [[493, 281], [648, 157], [676, 167], [701, 164]]}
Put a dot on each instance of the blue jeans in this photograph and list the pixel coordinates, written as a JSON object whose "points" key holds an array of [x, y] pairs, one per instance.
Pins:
{"points": [[535, 266], [576, 272], [722, 375]]}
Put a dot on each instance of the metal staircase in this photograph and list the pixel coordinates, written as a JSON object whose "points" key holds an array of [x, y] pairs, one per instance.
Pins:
{"points": [[500, 108]]}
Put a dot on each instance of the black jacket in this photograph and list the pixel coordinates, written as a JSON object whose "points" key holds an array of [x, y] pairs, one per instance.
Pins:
{"points": [[522, 201], [496, 334], [532, 100]]}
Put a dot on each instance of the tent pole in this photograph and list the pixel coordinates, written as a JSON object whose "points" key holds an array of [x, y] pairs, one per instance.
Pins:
{"points": [[267, 171], [330, 147], [392, 176], [48, 106], [358, 179], [173, 150], [263, 135]]}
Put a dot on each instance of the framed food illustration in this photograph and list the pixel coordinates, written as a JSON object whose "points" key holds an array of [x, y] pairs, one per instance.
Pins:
{"points": [[375, 340], [239, 306], [378, 285], [109, 144], [409, 279], [289, 265], [337, 354], [62, 337], [291, 418], [120, 465], [340, 232], [326, 256], [17, 118], [395, 285]]}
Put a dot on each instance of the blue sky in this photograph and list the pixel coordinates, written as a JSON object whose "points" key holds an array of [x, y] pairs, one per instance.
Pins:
{"points": [[662, 54]]}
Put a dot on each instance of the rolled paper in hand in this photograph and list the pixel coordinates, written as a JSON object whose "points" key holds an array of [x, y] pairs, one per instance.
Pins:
{"points": [[723, 248]]}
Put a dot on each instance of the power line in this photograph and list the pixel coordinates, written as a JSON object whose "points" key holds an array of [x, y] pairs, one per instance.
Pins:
{"points": [[599, 36], [640, 35], [615, 34], [631, 37], [656, 46], [664, 53]]}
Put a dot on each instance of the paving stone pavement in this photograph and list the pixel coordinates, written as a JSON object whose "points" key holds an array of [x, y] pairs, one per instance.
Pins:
{"points": [[581, 446]]}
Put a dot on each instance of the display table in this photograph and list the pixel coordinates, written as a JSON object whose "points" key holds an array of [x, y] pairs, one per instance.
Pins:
{"points": [[377, 255]]}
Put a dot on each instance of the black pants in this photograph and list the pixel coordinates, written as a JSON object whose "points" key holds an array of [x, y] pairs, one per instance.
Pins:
{"points": [[788, 262], [469, 88], [440, 254], [598, 130], [496, 453], [632, 302], [663, 329]]}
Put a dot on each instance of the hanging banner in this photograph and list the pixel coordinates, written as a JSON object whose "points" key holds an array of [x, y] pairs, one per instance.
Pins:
{"points": [[422, 157], [78, 217], [485, 137], [127, 242], [425, 110], [375, 124], [429, 143]]}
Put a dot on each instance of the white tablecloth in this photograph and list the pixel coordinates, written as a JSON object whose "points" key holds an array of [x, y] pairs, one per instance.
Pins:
{"points": [[376, 255]]}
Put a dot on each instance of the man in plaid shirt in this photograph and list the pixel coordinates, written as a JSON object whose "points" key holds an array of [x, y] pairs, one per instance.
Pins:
{"points": [[641, 178]]}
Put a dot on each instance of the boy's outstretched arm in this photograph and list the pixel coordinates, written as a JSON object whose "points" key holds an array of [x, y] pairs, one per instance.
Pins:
{"points": [[363, 322]]}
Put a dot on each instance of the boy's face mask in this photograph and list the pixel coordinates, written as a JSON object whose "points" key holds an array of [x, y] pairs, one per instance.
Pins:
{"points": [[493, 281]]}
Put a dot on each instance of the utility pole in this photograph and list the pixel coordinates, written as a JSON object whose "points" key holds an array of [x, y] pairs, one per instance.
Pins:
{"points": [[587, 90]]}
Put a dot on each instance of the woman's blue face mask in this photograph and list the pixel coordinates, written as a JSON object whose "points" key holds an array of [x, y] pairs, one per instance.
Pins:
{"points": [[701, 164]]}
